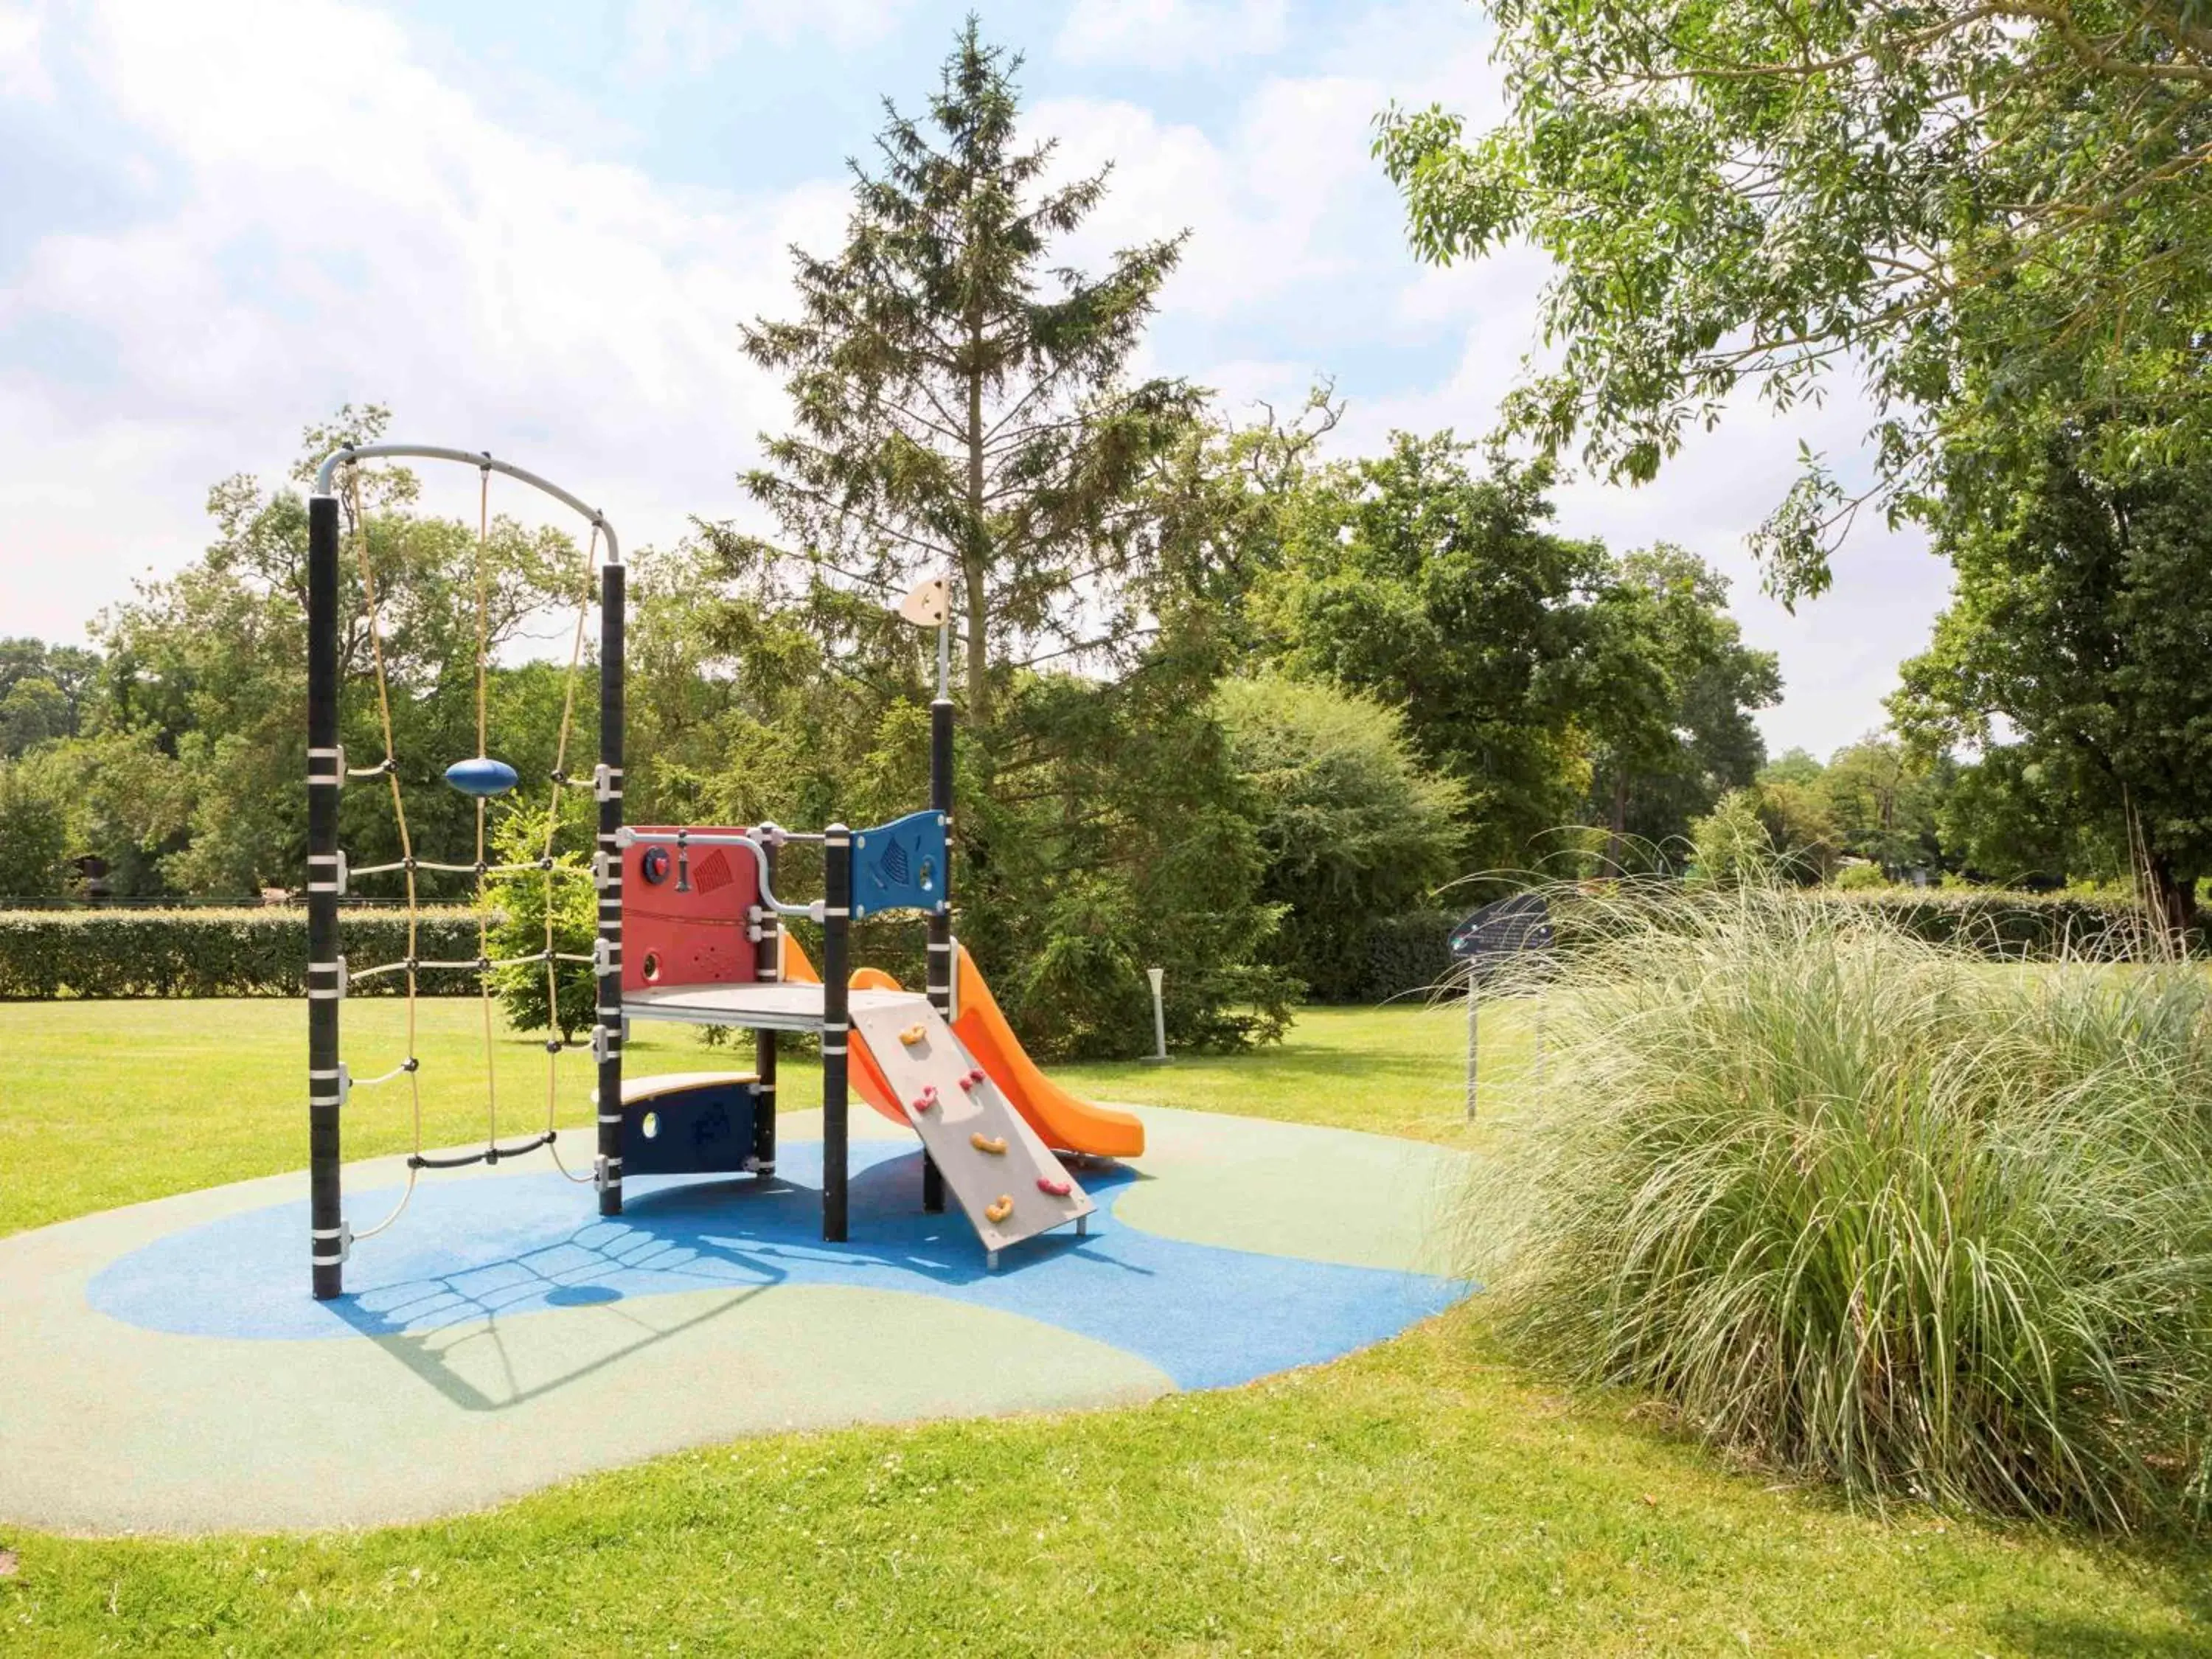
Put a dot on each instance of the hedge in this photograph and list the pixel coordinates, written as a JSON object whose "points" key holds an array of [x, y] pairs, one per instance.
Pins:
{"points": [[264, 951], [1409, 956], [260, 952]]}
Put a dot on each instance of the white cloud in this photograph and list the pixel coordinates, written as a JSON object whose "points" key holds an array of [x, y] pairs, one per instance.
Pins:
{"points": [[666, 37], [365, 234], [1167, 34], [333, 218], [23, 63]]}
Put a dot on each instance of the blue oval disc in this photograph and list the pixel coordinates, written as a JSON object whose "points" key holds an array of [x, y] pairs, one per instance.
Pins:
{"points": [[481, 775]]}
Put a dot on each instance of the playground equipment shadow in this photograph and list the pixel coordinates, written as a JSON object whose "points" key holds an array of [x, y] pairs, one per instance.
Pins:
{"points": [[1204, 1316]]}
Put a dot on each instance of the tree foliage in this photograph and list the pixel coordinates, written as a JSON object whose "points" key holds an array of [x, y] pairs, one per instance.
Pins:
{"points": [[1408, 579], [1745, 196], [33, 832], [959, 402], [1351, 824], [2076, 641], [45, 690], [1669, 704], [209, 668]]}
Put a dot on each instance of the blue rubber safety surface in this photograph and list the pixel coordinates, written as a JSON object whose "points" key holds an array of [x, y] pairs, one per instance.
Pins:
{"points": [[1206, 1316]]}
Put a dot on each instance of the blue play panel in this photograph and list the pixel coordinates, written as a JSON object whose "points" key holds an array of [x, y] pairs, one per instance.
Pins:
{"points": [[1206, 1316]]}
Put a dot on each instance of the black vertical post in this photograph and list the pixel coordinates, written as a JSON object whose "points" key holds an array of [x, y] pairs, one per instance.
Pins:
{"points": [[609, 792], [941, 964], [768, 967], [836, 1024], [325, 1084]]}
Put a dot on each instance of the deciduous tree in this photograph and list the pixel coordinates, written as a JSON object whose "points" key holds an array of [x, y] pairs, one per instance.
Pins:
{"points": [[2077, 635], [1744, 196]]}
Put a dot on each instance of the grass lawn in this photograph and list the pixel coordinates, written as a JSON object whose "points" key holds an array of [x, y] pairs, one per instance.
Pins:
{"points": [[1423, 1497]]}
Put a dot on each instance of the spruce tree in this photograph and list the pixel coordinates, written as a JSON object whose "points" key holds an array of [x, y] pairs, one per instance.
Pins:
{"points": [[958, 403]]}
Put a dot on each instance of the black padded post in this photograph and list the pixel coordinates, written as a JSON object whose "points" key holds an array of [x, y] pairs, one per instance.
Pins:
{"points": [[940, 969], [326, 1214], [768, 967], [836, 1021], [609, 793]]}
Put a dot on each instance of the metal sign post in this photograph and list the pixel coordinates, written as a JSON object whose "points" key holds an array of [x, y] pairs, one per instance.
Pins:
{"points": [[1482, 941], [1472, 1045]]}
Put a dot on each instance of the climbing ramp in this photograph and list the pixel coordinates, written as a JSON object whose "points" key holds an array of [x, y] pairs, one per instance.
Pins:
{"points": [[1060, 1119], [1007, 1181]]}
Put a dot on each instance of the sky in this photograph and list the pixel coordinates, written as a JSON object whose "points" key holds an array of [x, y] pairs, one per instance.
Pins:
{"points": [[532, 227]]}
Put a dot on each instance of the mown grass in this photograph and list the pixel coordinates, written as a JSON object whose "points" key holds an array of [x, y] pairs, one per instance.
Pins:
{"points": [[1427, 1496], [104, 1103], [1394, 1071]]}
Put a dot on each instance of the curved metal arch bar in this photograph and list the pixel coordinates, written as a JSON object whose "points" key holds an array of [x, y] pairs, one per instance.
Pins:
{"points": [[480, 458]]}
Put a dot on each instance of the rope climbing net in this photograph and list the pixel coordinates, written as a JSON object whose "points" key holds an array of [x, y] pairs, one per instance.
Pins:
{"points": [[483, 779]]}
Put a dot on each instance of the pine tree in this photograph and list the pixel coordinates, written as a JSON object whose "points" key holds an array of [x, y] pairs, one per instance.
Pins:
{"points": [[959, 403]]}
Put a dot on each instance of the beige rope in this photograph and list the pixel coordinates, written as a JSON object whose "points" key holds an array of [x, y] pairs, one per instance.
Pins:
{"points": [[484, 893], [399, 815], [552, 828], [484, 888]]}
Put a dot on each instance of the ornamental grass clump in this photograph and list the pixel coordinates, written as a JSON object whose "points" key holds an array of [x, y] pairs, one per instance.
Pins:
{"points": [[1867, 1209]]}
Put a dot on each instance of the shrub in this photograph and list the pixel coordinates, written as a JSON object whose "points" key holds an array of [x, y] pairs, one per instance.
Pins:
{"points": [[258, 952], [33, 834], [1731, 840], [1860, 878], [2001, 922], [1859, 1208], [520, 903], [1350, 824], [1407, 955]]}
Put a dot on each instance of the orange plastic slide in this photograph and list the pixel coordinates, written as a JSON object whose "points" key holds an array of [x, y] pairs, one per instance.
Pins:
{"points": [[1063, 1121]]}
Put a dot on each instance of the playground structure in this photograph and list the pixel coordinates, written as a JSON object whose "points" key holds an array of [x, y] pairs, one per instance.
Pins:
{"points": [[696, 910]]}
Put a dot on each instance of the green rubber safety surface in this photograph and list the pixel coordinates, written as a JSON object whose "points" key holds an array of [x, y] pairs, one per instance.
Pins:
{"points": [[167, 1370]]}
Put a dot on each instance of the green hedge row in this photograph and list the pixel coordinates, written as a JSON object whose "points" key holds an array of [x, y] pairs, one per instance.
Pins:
{"points": [[264, 952], [212, 953], [2003, 923], [1409, 956]]}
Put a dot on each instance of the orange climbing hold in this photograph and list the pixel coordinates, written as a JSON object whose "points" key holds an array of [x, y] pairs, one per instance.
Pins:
{"points": [[984, 1143], [1000, 1211], [913, 1034], [1057, 1188]]}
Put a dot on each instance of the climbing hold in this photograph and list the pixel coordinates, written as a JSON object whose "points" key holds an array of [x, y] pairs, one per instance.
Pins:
{"points": [[913, 1034], [1057, 1188], [927, 1098], [481, 775], [972, 1079], [1000, 1211], [993, 1143]]}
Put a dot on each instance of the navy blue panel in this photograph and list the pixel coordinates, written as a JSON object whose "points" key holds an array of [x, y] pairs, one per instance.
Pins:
{"points": [[1510, 927], [900, 866], [708, 1130]]}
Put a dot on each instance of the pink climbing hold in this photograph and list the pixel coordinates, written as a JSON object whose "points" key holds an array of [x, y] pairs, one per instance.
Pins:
{"points": [[927, 1099], [972, 1079], [1057, 1188]]}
